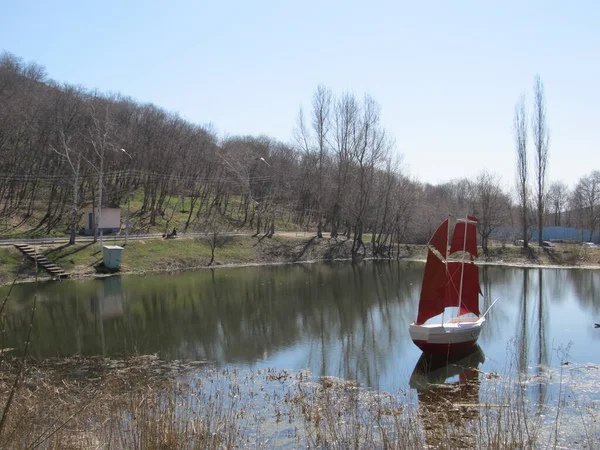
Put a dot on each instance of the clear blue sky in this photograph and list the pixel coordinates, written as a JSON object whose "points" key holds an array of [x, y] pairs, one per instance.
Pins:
{"points": [[447, 74]]}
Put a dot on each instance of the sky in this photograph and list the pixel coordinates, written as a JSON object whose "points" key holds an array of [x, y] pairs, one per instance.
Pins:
{"points": [[446, 74]]}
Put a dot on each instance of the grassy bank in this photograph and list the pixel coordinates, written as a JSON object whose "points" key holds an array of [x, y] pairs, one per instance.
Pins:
{"points": [[156, 255]]}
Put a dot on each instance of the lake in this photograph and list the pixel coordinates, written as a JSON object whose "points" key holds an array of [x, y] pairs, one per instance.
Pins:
{"points": [[339, 319]]}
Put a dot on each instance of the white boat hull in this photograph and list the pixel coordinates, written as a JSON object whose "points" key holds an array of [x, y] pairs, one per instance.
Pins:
{"points": [[458, 335]]}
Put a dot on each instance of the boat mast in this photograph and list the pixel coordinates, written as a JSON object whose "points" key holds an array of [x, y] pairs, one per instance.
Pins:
{"points": [[446, 264], [462, 267]]}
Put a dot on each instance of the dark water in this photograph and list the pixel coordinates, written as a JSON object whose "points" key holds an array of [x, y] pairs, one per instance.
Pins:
{"points": [[343, 320]]}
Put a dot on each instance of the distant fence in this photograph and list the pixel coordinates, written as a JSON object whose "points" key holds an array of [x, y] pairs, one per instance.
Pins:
{"points": [[572, 234], [549, 233]]}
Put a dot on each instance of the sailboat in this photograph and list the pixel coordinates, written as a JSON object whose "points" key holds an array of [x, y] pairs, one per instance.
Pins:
{"points": [[450, 283]]}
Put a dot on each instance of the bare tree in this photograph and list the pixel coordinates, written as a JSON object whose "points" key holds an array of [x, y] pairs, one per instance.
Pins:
{"points": [[370, 148], [490, 205], [314, 143], [215, 229], [67, 153], [540, 132], [586, 201], [68, 106], [346, 127], [558, 195], [520, 132], [321, 125], [243, 159], [99, 138]]}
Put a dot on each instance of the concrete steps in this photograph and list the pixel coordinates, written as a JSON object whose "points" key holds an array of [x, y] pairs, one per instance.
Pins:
{"points": [[42, 261]]}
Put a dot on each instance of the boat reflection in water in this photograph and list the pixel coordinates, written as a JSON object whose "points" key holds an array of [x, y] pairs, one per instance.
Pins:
{"points": [[448, 394]]}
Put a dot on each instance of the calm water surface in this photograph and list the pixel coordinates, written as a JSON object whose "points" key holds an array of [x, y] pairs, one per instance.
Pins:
{"points": [[343, 320]]}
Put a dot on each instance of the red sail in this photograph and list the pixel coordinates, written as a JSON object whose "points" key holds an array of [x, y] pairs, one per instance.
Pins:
{"points": [[470, 287], [439, 240], [432, 290], [458, 240]]}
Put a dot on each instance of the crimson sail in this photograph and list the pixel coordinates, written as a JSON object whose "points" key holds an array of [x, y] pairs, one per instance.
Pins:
{"points": [[439, 240], [466, 298], [465, 237], [431, 302], [450, 283]]}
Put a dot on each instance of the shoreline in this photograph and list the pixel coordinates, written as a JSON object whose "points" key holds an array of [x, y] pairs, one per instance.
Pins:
{"points": [[91, 276], [83, 261]]}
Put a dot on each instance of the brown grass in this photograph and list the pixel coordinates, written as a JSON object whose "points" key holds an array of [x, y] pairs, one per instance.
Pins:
{"points": [[145, 403]]}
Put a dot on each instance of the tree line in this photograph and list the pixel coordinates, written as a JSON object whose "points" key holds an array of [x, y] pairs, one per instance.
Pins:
{"points": [[63, 147], [541, 205]]}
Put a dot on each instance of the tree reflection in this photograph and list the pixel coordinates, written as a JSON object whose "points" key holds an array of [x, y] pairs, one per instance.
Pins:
{"points": [[531, 343], [522, 336], [337, 319], [542, 356]]}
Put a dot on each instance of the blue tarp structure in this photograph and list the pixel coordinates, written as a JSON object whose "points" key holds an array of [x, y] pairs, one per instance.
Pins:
{"points": [[572, 234], [567, 233]]}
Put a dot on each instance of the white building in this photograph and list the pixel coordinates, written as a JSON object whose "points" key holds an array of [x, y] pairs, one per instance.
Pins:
{"points": [[110, 220]]}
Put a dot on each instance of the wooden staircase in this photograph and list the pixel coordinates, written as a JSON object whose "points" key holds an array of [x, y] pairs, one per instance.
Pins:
{"points": [[42, 261]]}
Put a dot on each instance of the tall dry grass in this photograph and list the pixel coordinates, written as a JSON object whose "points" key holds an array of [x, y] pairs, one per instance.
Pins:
{"points": [[145, 403]]}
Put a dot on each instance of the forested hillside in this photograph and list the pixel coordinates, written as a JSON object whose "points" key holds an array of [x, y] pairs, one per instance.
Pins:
{"points": [[339, 174]]}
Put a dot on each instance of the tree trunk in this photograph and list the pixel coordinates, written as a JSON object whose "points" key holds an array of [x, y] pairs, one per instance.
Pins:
{"points": [[74, 210]]}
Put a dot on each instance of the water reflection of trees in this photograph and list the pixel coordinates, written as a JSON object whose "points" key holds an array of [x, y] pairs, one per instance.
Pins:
{"points": [[234, 315], [496, 283], [357, 333], [587, 288], [531, 342], [338, 319]]}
